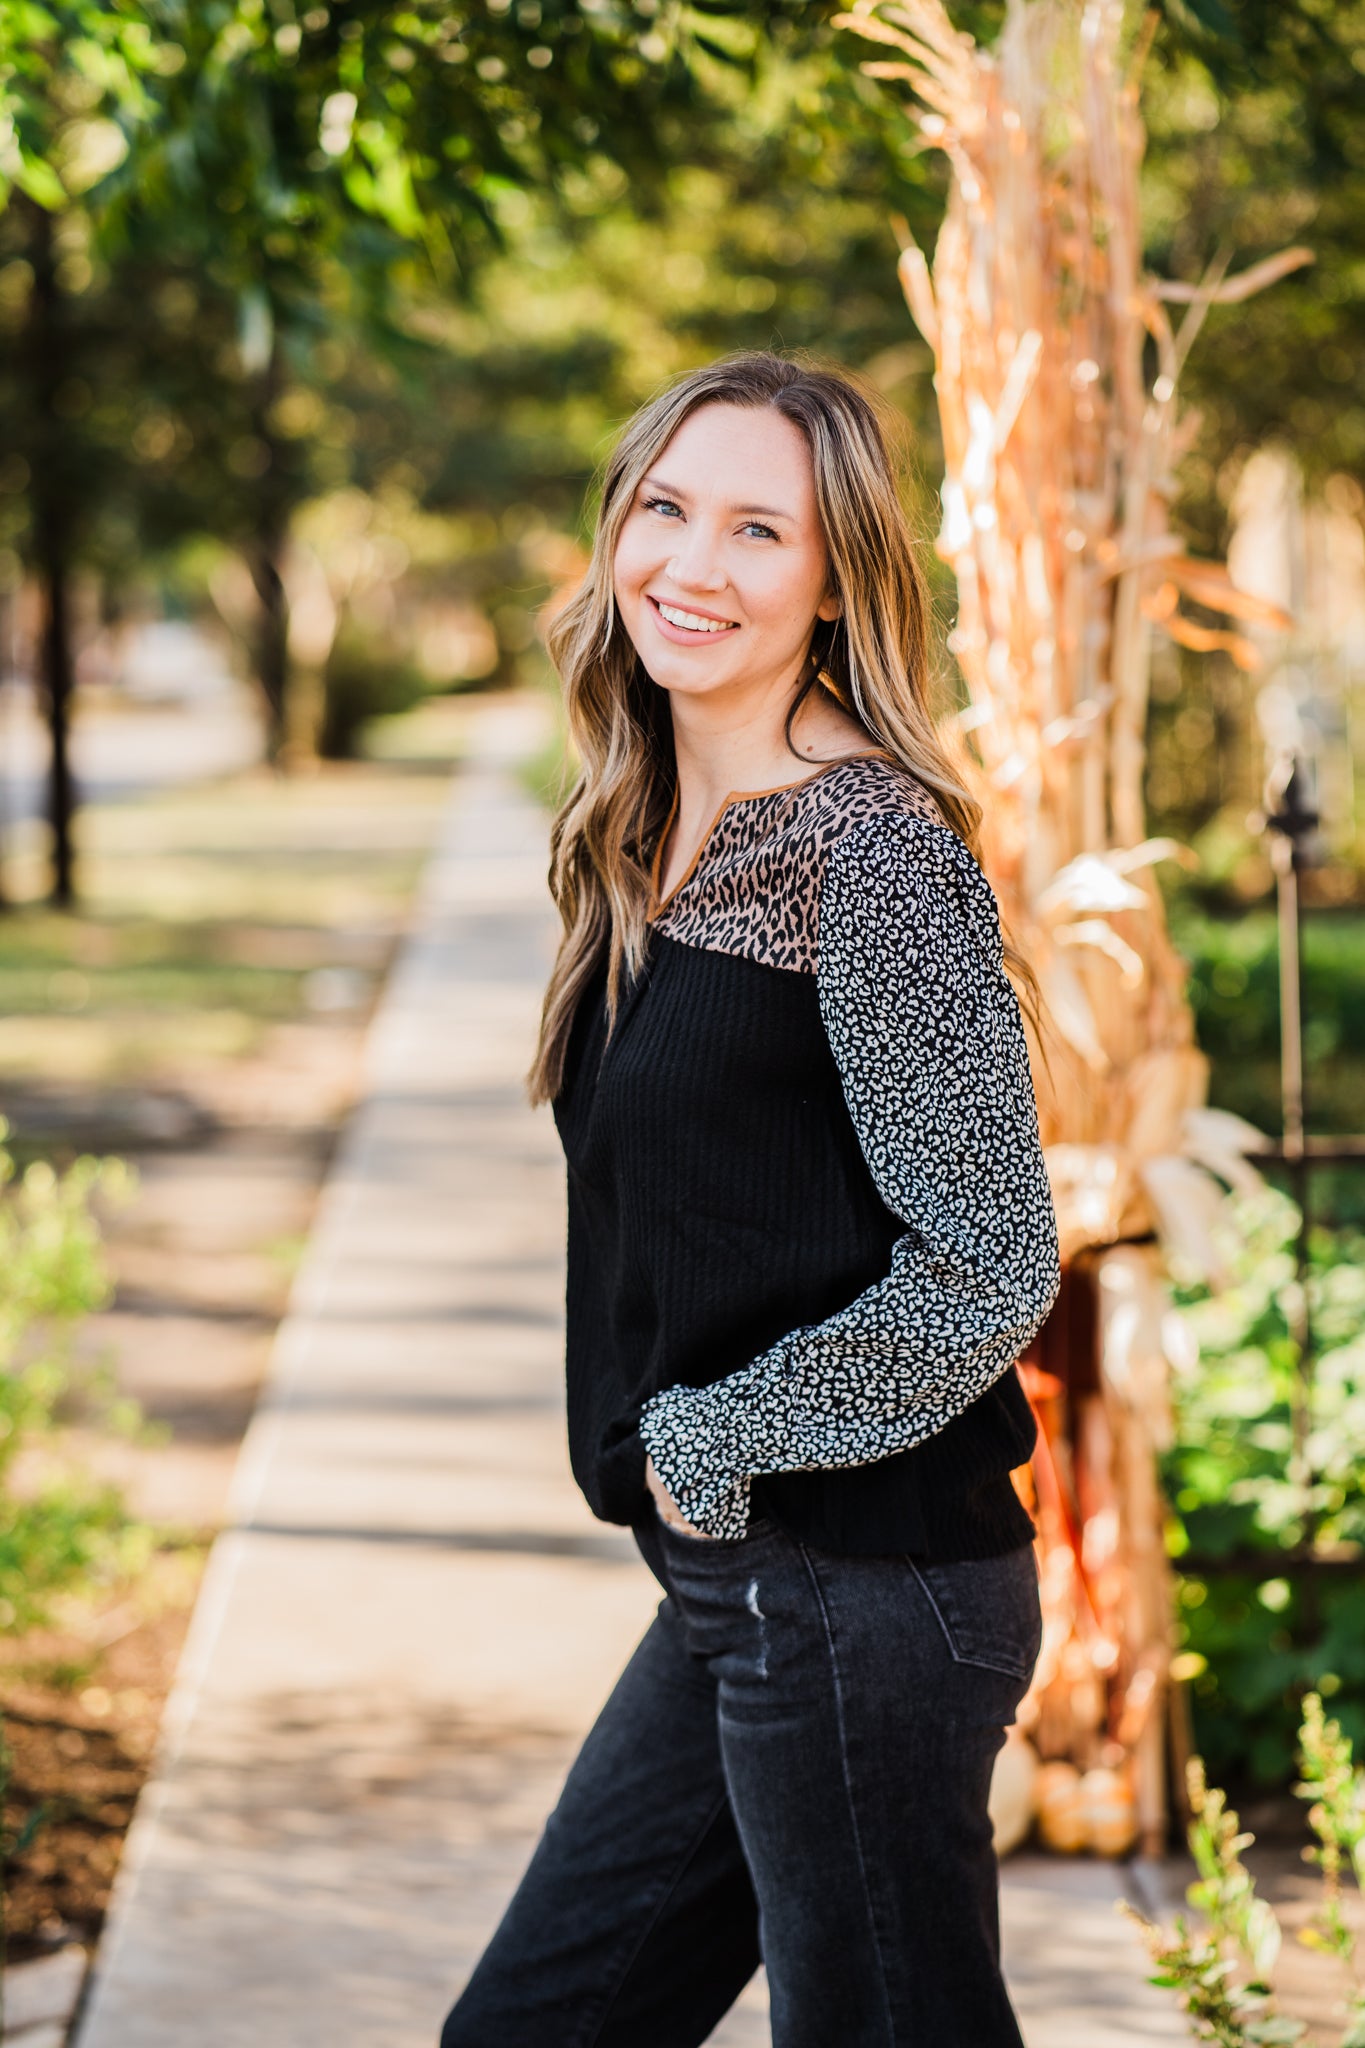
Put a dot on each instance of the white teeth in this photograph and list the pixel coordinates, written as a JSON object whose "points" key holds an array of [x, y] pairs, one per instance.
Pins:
{"points": [[693, 623]]}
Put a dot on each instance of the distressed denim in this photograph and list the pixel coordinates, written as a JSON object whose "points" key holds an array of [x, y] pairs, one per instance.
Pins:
{"points": [[794, 1766]]}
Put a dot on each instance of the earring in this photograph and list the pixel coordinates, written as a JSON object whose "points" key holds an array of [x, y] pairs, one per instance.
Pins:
{"points": [[840, 696]]}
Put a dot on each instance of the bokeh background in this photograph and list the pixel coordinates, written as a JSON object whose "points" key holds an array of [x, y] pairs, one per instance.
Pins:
{"points": [[315, 322]]}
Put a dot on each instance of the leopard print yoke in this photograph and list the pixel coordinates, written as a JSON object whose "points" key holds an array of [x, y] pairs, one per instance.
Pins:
{"points": [[754, 886]]}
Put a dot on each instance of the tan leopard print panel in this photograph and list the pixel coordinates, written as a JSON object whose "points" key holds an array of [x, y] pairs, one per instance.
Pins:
{"points": [[754, 888]]}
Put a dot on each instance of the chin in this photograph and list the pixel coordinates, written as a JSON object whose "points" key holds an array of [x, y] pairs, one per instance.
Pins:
{"points": [[683, 680]]}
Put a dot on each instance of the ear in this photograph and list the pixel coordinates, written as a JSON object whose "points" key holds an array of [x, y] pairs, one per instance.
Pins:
{"points": [[829, 608]]}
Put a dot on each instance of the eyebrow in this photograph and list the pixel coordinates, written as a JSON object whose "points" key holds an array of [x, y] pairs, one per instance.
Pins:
{"points": [[656, 483]]}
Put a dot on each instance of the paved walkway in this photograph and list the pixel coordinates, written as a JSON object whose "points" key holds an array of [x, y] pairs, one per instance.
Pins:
{"points": [[413, 1616], [122, 748]]}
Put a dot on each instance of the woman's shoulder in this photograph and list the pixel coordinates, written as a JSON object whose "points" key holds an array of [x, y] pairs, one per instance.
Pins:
{"points": [[839, 799], [893, 862], [756, 890]]}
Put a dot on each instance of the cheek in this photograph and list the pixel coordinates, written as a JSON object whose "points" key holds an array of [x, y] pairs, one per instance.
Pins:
{"points": [[634, 561], [790, 595]]}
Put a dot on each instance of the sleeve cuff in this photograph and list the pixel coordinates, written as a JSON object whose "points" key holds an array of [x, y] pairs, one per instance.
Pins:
{"points": [[683, 1429]]}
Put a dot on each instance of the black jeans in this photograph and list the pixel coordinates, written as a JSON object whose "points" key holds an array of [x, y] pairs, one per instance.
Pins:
{"points": [[794, 1765]]}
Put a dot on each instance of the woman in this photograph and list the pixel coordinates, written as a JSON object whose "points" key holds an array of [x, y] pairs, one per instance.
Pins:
{"points": [[809, 1233]]}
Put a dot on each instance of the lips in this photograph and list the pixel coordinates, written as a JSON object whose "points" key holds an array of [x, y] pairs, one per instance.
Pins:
{"points": [[693, 624]]}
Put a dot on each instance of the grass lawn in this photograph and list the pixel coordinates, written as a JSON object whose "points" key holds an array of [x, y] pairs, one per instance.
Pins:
{"points": [[209, 914]]}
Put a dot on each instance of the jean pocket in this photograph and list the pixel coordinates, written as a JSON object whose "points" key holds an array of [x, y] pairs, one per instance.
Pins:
{"points": [[988, 1609]]}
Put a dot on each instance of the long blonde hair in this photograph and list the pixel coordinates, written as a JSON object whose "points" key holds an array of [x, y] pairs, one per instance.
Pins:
{"points": [[874, 658]]}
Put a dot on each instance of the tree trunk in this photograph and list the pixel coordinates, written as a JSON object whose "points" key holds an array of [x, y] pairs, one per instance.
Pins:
{"points": [[52, 556], [55, 667], [265, 556], [7, 667], [272, 636]]}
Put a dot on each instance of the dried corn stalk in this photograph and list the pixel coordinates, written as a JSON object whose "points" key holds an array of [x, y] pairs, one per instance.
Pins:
{"points": [[1056, 373], [1059, 459]]}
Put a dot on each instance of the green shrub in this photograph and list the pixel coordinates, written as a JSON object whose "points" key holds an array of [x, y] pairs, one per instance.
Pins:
{"points": [[1222, 1971], [363, 682], [1235, 993], [59, 1531], [1259, 1639]]}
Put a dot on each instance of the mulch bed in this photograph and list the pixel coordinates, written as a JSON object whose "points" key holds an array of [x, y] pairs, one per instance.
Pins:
{"points": [[78, 1754]]}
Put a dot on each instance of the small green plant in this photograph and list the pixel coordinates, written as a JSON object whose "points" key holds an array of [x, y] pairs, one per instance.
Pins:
{"points": [[58, 1529], [1336, 1789], [1256, 1639], [1222, 1970]]}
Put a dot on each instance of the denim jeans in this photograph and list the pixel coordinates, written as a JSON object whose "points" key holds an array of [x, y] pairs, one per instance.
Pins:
{"points": [[794, 1766]]}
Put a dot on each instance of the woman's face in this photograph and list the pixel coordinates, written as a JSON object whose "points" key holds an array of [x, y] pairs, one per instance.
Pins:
{"points": [[721, 570]]}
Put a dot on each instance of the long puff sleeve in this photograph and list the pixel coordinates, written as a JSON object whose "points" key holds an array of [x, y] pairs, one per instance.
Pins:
{"points": [[925, 1029]]}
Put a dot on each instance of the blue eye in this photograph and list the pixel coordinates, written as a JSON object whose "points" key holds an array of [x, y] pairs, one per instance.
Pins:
{"points": [[661, 505], [765, 532]]}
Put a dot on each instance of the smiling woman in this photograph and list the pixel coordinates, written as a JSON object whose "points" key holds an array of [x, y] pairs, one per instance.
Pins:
{"points": [[736, 589], [809, 1233], [683, 545]]}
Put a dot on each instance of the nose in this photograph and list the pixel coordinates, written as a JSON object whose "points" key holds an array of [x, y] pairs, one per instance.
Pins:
{"points": [[696, 563]]}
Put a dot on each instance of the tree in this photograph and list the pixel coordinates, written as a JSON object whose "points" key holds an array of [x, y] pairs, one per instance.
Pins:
{"points": [[294, 167], [74, 90]]}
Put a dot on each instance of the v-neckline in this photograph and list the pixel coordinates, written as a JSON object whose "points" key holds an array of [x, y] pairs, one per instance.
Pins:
{"points": [[659, 905]]}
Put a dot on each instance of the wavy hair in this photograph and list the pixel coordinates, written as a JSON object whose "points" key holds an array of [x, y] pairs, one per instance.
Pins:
{"points": [[873, 658]]}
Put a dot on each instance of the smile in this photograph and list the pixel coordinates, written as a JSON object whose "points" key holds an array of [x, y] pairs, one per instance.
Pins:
{"points": [[691, 622]]}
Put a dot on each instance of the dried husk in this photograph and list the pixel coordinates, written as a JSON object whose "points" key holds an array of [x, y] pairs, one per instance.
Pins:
{"points": [[1060, 452]]}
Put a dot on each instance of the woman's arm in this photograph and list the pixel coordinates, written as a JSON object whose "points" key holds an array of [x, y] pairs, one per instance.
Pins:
{"points": [[925, 1028]]}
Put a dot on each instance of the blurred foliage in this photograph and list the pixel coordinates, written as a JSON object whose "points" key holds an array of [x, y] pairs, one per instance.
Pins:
{"points": [[1256, 141], [272, 229], [362, 683], [1234, 988], [1258, 1640], [439, 254], [60, 1532], [263, 178]]}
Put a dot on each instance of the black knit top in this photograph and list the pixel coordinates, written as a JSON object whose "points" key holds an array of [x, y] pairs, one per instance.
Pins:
{"points": [[810, 1228]]}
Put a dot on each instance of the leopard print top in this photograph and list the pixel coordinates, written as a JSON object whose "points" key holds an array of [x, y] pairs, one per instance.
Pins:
{"points": [[754, 886], [853, 876]]}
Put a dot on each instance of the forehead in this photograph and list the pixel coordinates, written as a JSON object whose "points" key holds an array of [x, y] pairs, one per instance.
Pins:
{"points": [[741, 454]]}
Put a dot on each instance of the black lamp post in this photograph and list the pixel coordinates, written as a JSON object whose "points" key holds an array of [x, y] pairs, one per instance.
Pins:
{"points": [[1290, 820]]}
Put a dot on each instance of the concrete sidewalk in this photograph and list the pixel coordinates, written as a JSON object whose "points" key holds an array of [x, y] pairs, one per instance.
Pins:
{"points": [[413, 1617]]}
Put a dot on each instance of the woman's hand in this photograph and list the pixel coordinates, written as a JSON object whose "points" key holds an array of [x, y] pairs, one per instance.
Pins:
{"points": [[669, 1510]]}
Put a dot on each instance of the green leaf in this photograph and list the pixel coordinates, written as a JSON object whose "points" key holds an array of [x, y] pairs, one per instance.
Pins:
{"points": [[1261, 1938], [40, 182]]}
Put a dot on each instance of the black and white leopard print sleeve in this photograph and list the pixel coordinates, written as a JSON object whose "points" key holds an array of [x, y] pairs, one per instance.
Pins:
{"points": [[925, 1028]]}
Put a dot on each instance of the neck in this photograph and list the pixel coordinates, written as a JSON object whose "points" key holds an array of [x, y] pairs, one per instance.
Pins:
{"points": [[727, 746], [739, 742]]}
